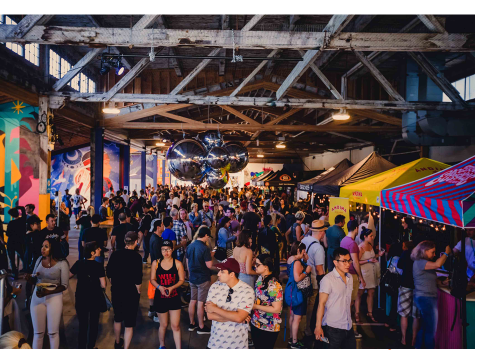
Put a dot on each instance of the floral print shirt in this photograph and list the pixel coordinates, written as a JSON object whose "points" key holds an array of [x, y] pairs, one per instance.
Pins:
{"points": [[274, 292]]}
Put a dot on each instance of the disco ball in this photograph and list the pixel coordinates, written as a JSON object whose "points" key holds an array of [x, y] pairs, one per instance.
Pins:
{"points": [[211, 139], [217, 179], [185, 159], [217, 158], [238, 156]]}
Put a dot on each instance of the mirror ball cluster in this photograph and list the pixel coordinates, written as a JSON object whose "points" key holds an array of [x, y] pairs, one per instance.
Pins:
{"points": [[206, 159]]}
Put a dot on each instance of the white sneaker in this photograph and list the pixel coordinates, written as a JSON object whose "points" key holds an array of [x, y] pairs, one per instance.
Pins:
{"points": [[151, 314], [155, 318]]}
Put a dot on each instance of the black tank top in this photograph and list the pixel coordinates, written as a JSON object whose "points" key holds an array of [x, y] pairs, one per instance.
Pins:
{"points": [[167, 278]]}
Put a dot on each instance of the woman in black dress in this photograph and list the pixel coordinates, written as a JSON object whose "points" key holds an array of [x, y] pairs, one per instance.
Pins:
{"points": [[166, 276]]}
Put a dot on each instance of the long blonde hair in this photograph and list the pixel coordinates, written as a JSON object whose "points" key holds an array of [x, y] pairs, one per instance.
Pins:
{"points": [[11, 339], [418, 253]]}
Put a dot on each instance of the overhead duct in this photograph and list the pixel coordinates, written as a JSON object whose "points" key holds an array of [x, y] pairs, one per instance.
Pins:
{"points": [[433, 128]]}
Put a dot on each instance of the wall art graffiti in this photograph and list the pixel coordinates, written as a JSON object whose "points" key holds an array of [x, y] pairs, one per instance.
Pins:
{"points": [[111, 166]]}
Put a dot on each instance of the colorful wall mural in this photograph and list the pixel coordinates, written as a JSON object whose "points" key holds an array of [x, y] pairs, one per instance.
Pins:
{"points": [[111, 166], [71, 170], [20, 157], [150, 169]]}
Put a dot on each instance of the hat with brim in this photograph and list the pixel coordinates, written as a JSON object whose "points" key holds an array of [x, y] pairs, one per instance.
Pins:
{"points": [[319, 225]]}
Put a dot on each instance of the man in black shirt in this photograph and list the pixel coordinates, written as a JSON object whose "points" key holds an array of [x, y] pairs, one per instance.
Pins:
{"points": [[95, 233], [103, 209], [16, 233], [33, 249], [118, 233], [119, 208], [125, 272], [250, 221], [143, 229]]}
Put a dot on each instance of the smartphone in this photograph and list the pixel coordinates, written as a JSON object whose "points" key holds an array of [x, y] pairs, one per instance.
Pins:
{"points": [[325, 340], [166, 291]]}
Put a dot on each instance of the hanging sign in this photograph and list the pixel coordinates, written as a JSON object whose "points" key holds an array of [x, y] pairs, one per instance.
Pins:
{"points": [[339, 206]]}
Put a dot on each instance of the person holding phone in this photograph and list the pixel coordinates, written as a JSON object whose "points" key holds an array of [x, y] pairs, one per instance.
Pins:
{"points": [[167, 275], [334, 321]]}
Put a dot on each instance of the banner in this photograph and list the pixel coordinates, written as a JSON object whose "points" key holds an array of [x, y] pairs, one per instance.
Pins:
{"points": [[339, 206]]}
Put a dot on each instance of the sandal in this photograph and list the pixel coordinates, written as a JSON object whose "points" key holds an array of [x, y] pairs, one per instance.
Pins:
{"points": [[357, 318], [370, 316]]}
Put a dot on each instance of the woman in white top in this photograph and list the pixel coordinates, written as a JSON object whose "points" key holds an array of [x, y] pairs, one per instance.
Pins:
{"points": [[368, 265], [47, 302]]}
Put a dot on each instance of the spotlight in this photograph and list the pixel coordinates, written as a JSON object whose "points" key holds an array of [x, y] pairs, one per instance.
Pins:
{"points": [[108, 62], [111, 111], [160, 144], [341, 115], [260, 155], [280, 146]]}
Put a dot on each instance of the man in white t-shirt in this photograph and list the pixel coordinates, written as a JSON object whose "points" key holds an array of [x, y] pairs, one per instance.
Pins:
{"points": [[469, 252], [229, 302]]}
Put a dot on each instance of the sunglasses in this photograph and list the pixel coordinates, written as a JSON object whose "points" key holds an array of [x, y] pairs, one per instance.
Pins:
{"points": [[229, 297]]}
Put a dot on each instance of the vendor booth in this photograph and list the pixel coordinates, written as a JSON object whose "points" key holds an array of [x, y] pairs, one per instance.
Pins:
{"points": [[258, 181], [445, 197], [309, 185], [371, 165]]}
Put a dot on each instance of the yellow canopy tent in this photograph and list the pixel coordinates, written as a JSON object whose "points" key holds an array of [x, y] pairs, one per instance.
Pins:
{"points": [[367, 191]]}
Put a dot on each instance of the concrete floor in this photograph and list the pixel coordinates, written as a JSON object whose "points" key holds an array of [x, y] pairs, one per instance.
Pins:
{"points": [[146, 332]]}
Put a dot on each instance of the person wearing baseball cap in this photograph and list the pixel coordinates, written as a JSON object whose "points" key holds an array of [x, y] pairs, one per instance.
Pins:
{"points": [[229, 302], [167, 275], [315, 245], [125, 271]]}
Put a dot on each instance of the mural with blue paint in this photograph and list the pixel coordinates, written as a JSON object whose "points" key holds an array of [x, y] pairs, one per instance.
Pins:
{"points": [[111, 166]]}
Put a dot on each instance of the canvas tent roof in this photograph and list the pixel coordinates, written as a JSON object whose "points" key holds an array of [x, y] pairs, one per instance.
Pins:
{"points": [[446, 197], [373, 164], [309, 185], [283, 178]]}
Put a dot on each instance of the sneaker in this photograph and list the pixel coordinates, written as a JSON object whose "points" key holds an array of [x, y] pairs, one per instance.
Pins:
{"points": [[192, 327], [250, 343], [162, 347], [358, 335], [290, 341], [151, 314], [120, 345], [297, 345], [204, 330], [155, 318]]}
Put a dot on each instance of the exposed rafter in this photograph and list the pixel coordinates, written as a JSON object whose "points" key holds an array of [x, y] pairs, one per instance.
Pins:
{"points": [[27, 23], [224, 21], [65, 35], [432, 23], [378, 76], [162, 24]]}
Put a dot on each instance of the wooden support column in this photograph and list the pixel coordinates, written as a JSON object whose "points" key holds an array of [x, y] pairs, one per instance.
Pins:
{"points": [[96, 167], [45, 162]]}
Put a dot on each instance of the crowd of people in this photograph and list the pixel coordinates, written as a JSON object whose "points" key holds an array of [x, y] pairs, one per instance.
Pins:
{"points": [[223, 253]]}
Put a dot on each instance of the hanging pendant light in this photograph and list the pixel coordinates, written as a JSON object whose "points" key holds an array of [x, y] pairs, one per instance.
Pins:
{"points": [[341, 115]]}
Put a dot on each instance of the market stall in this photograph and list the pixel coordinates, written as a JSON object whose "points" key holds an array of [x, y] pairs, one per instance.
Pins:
{"points": [[309, 185], [446, 197]]}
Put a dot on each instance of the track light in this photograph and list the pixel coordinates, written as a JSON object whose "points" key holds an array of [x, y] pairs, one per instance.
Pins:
{"points": [[280, 146], [260, 155], [109, 62], [160, 144], [341, 115]]}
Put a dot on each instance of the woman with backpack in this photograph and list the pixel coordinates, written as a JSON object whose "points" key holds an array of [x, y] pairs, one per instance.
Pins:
{"points": [[89, 296], [298, 281], [296, 229]]}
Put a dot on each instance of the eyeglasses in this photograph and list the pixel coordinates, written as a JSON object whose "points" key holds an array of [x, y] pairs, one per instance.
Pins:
{"points": [[257, 265], [229, 297], [345, 261], [167, 250]]}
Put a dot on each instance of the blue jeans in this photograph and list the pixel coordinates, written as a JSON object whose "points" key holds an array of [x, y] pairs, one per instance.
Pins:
{"points": [[428, 308]]}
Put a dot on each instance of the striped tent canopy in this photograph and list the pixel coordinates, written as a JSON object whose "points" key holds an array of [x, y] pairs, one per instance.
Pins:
{"points": [[446, 197]]}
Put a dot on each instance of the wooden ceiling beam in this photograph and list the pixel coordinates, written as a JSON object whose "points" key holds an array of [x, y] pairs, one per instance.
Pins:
{"points": [[27, 23], [98, 37], [240, 115], [431, 22]]}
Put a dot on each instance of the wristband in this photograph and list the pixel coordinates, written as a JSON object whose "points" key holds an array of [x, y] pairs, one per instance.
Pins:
{"points": [[368, 260], [158, 287], [305, 273]]}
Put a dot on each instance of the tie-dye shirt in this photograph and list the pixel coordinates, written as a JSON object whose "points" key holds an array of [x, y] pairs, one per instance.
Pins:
{"points": [[274, 292]]}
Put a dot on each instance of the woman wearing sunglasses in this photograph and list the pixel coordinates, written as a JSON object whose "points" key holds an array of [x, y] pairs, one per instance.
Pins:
{"points": [[167, 275], [368, 261], [267, 308]]}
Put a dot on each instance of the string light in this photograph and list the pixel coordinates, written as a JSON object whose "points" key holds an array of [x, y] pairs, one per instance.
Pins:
{"points": [[413, 217], [395, 217], [420, 221]]}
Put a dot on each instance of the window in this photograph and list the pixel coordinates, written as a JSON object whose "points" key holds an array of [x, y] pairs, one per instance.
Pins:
{"points": [[83, 83], [32, 53], [465, 87], [74, 83], [54, 64], [16, 48], [64, 67], [91, 86]]}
